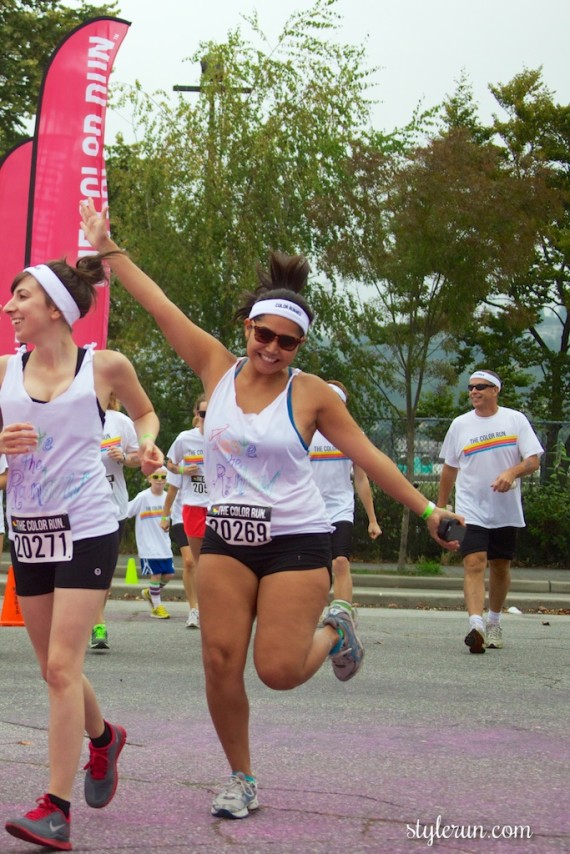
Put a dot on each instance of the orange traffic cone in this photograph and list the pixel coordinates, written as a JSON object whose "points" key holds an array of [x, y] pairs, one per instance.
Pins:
{"points": [[11, 614]]}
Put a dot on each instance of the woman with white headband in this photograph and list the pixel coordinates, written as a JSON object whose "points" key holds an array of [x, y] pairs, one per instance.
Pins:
{"points": [[62, 519], [266, 554]]}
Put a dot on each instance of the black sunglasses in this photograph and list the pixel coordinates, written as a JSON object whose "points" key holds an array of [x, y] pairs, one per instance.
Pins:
{"points": [[158, 477], [202, 413], [479, 386], [263, 335]]}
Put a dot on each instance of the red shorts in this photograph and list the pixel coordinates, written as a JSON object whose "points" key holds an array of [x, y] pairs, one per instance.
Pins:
{"points": [[194, 519]]}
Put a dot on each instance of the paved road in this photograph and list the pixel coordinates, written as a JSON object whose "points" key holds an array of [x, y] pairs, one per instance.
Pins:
{"points": [[427, 736]]}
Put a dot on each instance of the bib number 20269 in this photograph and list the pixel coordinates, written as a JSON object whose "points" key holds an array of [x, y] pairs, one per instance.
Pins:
{"points": [[241, 524]]}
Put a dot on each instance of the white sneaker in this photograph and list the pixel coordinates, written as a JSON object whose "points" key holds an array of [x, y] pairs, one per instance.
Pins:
{"points": [[193, 621], [237, 798], [494, 639]]}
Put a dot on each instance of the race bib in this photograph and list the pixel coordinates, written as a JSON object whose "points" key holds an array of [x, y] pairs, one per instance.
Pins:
{"points": [[42, 539], [240, 524], [198, 484]]}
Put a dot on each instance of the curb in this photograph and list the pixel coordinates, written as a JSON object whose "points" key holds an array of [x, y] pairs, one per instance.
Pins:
{"points": [[392, 591]]}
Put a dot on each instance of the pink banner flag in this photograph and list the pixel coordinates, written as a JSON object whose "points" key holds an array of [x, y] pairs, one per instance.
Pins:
{"points": [[14, 192], [68, 163]]}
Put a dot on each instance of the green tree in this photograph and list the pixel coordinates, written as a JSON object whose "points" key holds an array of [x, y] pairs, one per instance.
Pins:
{"points": [[523, 328], [438, 228], [31, 30], [230, 172]]}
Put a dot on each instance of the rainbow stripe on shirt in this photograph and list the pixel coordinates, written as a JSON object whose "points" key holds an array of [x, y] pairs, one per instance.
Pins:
{"points": [[327, 455], [152, 513], [194, 459], [111, 442], [490, 444]]}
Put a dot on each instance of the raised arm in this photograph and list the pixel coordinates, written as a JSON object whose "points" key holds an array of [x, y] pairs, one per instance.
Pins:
{"points": [[206, 356]]}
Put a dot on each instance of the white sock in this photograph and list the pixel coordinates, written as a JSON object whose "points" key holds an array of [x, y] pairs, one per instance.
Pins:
{"points": [[476, 622], [493, 618]]}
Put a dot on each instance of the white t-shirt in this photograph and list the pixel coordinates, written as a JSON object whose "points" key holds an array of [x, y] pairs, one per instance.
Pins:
{"points": [[188, 449], [152, 541], [332, 471], [118, 432], [481, 448]]}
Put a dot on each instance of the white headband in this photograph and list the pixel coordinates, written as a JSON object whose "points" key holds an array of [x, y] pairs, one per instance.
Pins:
{"points": [[282, 308], [56, 291], [483, 375], [338, 390]]}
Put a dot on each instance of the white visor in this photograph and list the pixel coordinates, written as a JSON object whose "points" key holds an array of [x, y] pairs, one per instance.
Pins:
{"points": [[282, 308]]}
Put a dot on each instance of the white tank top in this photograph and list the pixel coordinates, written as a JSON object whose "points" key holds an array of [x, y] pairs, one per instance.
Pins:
{"points": [[261, 460], [64, 474]]}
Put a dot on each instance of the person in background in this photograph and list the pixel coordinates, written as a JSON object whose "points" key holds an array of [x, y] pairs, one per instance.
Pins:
{"points": [[265, 562], [186, 458], [174, 524], [485, 453], [119, 449], [333, 473], [153, 543], [62, 520]]}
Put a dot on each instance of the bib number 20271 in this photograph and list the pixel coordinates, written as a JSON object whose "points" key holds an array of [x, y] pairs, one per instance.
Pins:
{"points": [[42, 539], [240, 524]]}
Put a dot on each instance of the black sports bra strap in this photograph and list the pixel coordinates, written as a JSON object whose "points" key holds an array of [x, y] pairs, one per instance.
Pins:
{"points": [[80, 356]]}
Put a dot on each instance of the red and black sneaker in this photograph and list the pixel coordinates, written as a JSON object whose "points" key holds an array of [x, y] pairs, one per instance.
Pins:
{"points": [[45, 825], [102, 776]]}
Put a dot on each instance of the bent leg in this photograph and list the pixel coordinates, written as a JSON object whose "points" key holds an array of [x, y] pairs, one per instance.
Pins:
{"points": [[288, 649]]}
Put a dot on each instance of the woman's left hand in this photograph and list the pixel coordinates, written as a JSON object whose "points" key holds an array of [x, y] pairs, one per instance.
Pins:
{"points": [[433, 523], [151, 458]]}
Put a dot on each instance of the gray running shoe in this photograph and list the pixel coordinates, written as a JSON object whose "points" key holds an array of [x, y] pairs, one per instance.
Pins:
{"points": [[102, 776], [348, 660], [237, 799], [45, 825]]}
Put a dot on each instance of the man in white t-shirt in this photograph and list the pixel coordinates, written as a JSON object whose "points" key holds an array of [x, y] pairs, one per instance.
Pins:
{"points": [[485, 453]]}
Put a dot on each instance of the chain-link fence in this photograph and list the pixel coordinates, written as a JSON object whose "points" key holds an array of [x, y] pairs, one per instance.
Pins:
{"points": [[429, 433]]}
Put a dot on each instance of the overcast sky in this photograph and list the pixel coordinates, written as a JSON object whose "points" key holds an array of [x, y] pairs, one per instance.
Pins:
{"points": [[421, 46]]}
